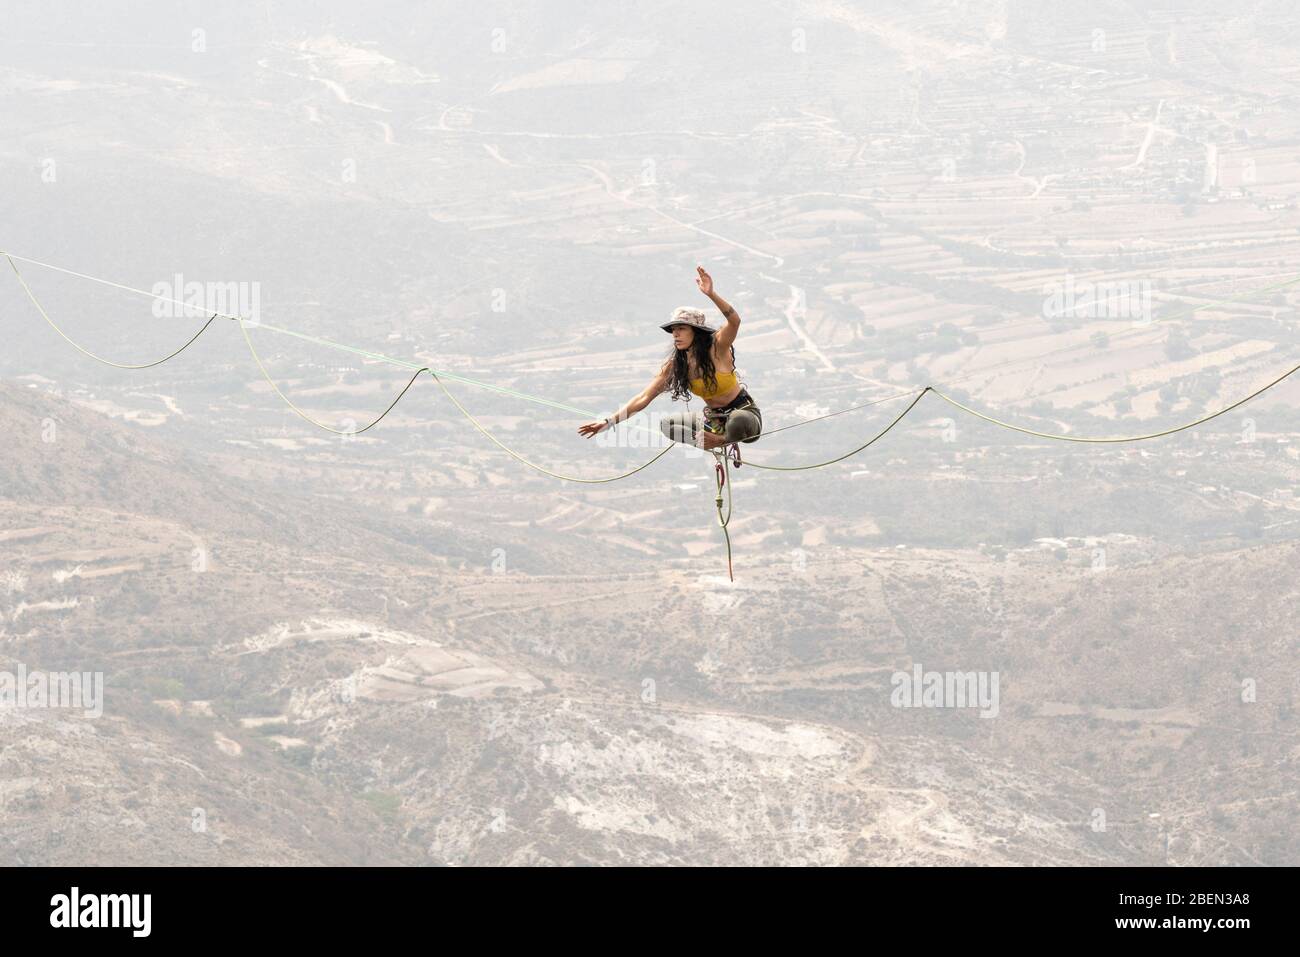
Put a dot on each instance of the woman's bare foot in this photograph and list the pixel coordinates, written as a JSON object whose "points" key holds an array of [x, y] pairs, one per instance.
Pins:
{"points": [[710, 442]]}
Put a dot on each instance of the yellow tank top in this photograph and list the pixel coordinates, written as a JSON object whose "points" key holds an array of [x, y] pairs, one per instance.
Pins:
{"points": [[726, 382]]}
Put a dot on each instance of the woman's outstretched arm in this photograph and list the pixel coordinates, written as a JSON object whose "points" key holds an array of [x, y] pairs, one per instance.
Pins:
{"points": [[725, 336], [638, 402]]}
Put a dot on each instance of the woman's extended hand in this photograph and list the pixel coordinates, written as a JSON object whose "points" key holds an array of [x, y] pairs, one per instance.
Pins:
{"points": [[704, 281], [591, 428]]}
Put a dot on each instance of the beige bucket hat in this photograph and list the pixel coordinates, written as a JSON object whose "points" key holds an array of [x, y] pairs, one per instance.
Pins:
{"points": [[686, 316]]}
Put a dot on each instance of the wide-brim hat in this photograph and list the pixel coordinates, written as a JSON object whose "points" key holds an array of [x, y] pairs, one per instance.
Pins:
{"points": [[686, 316]]}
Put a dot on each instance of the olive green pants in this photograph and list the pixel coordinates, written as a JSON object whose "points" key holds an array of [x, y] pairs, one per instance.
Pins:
{"points": [[743, 424]]}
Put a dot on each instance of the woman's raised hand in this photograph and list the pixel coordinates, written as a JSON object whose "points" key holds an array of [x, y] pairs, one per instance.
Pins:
{"points": [[704, 281], [591, 428]]}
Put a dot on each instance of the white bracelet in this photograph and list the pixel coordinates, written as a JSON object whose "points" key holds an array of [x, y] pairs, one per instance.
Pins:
{"points": [[609, 422]]}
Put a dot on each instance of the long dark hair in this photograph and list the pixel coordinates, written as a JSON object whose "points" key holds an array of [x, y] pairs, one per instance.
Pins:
{"points": [[701, 348]]}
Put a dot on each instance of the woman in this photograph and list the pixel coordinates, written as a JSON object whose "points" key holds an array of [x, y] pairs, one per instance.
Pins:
{"points": [[702, 361]]}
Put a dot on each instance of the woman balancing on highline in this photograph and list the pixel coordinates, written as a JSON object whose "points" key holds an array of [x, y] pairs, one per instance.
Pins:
{"points": [[702, 361]]}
